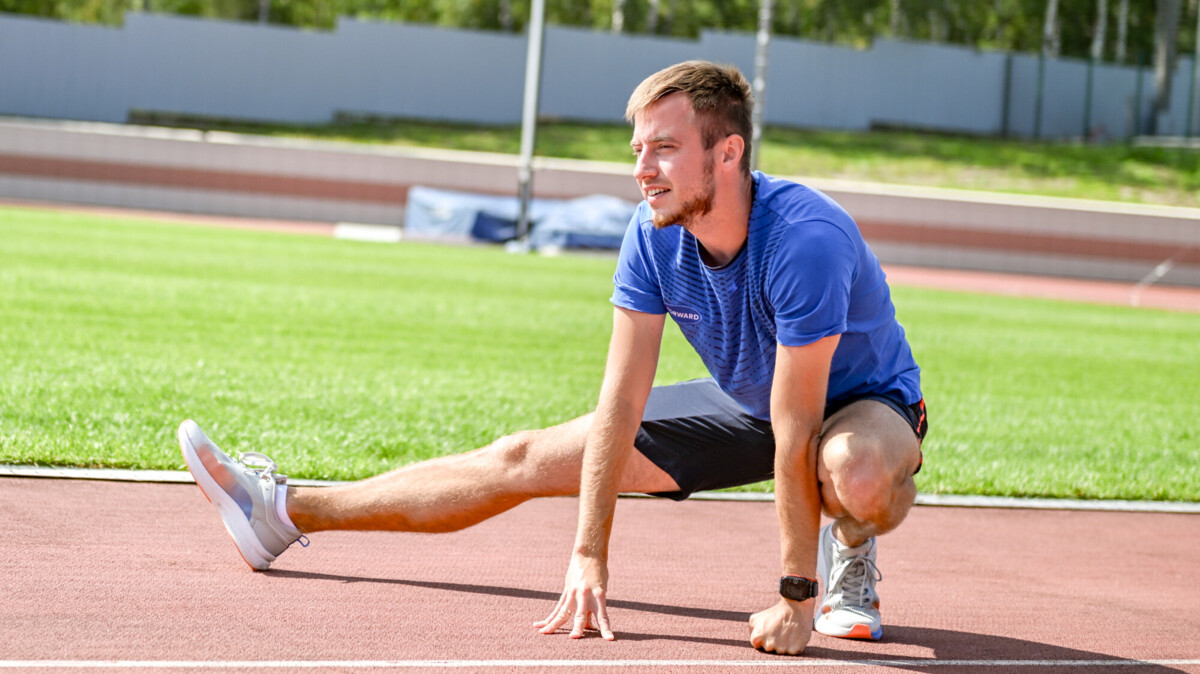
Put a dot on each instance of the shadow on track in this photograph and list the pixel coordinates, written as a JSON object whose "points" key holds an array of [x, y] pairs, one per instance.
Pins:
{"points": [[973, 649], [949, 646], [518, 593]]}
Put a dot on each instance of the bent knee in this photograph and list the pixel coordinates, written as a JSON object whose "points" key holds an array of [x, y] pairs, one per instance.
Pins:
{"points": [[863, 489], [860, 482]]}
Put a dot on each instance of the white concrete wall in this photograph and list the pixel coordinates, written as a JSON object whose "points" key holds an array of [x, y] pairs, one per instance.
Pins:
{"points": [[248, 71]]}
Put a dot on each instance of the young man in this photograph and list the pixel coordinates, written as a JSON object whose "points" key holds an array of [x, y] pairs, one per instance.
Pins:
{"points": [[812, 383]]}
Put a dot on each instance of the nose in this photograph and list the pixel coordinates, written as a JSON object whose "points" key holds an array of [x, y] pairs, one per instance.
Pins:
{"points": [[644, 166]]}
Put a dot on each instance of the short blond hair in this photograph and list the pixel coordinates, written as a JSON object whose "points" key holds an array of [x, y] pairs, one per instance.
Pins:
{"points": [[720, 95]]}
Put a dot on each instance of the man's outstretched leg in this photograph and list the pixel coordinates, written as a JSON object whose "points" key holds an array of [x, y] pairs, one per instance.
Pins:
{"points": [[867, 457], [264, 516]]}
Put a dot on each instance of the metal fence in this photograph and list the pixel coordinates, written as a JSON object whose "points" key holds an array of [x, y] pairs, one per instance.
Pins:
{"points": [[171, 64]]}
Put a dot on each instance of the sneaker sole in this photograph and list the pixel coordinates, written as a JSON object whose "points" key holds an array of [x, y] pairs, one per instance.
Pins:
{"points": [[859, 631], [232, 517]]}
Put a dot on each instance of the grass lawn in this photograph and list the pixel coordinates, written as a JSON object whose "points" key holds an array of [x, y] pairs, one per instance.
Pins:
{"points": [[342, 359], [1116, 171]]}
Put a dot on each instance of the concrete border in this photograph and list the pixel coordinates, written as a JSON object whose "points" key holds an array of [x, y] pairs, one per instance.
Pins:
{"points": [[947, 500], [227, 174]]}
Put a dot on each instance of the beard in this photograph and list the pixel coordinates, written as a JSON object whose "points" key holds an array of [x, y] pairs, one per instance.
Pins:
{"points": [[700, 204]]}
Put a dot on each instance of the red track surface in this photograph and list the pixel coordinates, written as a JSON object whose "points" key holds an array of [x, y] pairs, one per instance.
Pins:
{"points": [[1173, 298], [99, 571]]}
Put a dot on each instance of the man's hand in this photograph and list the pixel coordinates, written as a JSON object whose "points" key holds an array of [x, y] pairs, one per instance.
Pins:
{"points": [[582, 598], [784, 628]]}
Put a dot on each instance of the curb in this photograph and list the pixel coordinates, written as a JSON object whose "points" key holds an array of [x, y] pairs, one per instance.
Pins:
{"points": [[943, 500]]}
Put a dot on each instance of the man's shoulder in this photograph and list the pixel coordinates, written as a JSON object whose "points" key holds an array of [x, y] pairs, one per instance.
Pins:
{"points": [[800, 230], [808, 220], [793, 202]]}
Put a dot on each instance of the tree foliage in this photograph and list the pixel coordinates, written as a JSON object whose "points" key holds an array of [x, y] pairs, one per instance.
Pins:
{"points": [[1015, 25]]}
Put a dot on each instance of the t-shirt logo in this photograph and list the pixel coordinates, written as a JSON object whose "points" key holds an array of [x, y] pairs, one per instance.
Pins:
{"points": [[684, 314]]}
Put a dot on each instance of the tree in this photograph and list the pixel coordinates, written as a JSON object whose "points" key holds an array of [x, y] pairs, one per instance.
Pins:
{"points": [[1166, 40], [618, 16], [1122, 30], [505, 16], [895, 19], [1050, 30], [1014, 25], [1097, 51]]}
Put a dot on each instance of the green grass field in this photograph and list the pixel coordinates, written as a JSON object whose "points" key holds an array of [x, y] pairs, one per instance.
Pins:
{"points": [[342, 359]]}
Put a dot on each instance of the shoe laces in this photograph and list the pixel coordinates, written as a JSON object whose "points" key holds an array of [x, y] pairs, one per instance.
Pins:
{"points": [[261, 466], [855, 580]]}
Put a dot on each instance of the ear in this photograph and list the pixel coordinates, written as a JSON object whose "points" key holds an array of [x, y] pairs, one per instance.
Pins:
{"points": [[732, 149]]}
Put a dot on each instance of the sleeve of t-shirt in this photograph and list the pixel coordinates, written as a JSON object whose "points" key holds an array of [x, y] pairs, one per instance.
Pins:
{"points": [[635, 283], [810, 282]]}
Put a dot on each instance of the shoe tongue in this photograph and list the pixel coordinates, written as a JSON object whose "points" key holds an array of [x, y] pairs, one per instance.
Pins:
{"points": [[847, 551]]}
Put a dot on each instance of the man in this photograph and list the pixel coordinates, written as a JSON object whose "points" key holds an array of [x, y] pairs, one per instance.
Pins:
{"points": [[812, 383]]}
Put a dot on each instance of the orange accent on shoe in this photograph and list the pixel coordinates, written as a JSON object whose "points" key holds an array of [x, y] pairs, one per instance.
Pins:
{"points": [[858, 632]]}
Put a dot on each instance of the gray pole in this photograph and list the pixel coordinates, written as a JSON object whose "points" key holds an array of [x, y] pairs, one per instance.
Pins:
{"points": [[760, 79], [1137, 97], [533, 84], [1007, 98], [1037, 100]]}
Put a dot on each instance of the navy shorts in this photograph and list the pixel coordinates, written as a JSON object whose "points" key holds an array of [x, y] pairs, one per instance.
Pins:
{"points": [[705, 440]]}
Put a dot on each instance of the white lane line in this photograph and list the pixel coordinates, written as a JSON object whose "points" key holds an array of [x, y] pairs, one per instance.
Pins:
{"points": [[182, 476], [1057, 503], [794, 663], [123, 475]]}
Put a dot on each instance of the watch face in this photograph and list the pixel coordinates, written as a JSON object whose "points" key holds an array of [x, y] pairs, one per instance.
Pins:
{"points": [[797, 589]]}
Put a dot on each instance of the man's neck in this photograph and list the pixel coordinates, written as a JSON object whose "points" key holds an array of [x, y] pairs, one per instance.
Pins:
{"points": [[722, 232]]}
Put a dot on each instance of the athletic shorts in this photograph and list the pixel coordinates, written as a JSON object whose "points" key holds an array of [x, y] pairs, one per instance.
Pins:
{"points": [[705, 440]]}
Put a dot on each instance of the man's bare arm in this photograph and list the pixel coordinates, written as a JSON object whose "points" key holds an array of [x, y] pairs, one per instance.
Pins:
{"points": [[628, 378], [797, 411]]}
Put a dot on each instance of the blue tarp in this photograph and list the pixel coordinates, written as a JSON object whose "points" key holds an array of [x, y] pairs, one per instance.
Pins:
{"points": [[596, 221]]}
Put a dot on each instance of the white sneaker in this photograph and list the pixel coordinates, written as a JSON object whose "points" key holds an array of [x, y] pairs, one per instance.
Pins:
{"points": [[850, 606], [244, 493]]}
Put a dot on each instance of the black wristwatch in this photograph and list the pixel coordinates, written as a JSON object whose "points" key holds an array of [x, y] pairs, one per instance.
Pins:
{"points": [[797, 588]]}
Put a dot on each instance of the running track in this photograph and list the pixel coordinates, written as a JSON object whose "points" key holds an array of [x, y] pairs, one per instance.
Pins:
{"points": [[141, 577], [123, 576]]}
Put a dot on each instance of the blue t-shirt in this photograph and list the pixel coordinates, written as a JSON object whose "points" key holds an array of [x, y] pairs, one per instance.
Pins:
{"points": [[804, 273]]}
